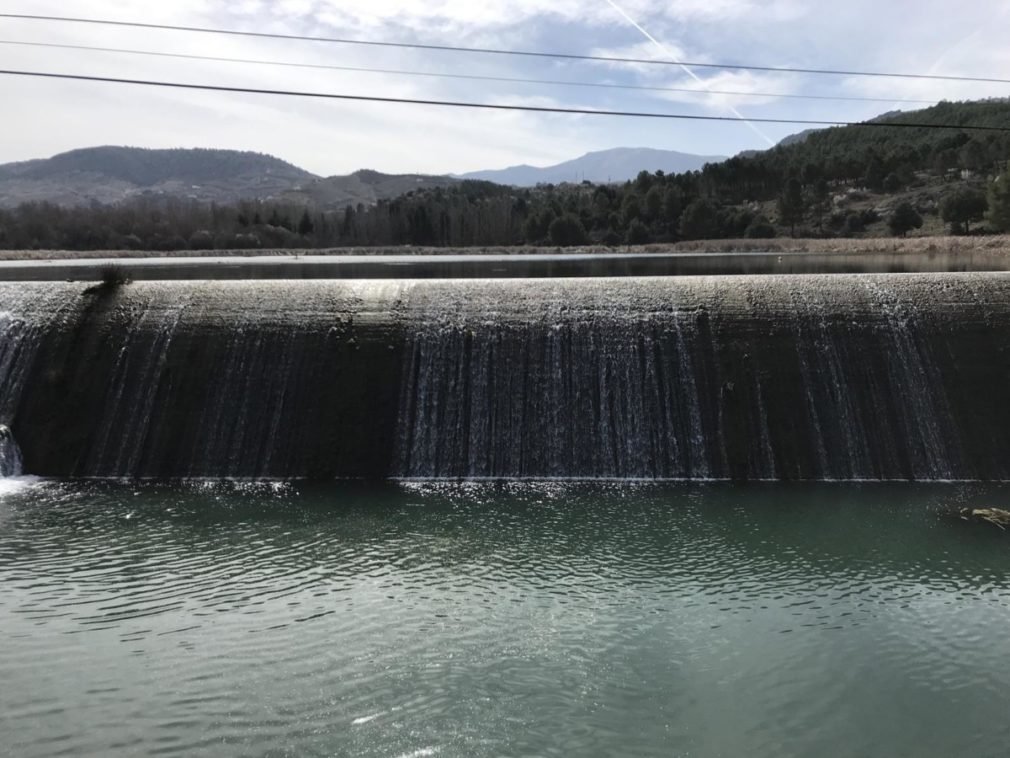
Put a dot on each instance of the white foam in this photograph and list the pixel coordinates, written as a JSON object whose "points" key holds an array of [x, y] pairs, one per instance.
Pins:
{"points": [[12, 484], [366, 719]]}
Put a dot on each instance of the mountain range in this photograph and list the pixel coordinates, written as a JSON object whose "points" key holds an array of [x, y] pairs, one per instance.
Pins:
{"points": [[617, 165], [109, 175]]}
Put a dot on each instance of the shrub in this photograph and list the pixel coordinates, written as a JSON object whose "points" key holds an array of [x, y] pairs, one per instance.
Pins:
{"points": [[638, 233], [201, 240], [167, 243], [852, 225], [567, 230], [869, 216], [892, 183], [611, 238], [112, 276], [760, 229]]}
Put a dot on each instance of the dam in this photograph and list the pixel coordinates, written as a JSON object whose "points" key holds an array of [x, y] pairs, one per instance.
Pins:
{"points": [[323, 508], [773, 377]]}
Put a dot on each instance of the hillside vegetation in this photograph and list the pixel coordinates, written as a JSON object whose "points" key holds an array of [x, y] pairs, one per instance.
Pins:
{"points": [[146, 167], [843, 182], [129, 175]]}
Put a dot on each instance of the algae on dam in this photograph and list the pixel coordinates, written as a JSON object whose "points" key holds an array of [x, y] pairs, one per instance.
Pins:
{"points": [[772, 377]]}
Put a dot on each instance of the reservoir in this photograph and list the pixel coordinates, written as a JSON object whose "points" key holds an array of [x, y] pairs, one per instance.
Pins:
{"points": [[318, 512], [482, 619]]}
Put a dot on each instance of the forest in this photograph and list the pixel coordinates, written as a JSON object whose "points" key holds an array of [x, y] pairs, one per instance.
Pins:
{"points": [[851, 181]]}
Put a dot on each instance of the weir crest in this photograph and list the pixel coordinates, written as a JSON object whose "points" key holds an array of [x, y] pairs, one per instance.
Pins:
{"points": [[844, 377]]}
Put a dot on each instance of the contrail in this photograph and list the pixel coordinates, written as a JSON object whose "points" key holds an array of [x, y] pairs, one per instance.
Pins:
{"points": [[947, 51], [1001, 11], [687, 70]]}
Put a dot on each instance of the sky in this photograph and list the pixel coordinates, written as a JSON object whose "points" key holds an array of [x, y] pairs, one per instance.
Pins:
{"points": [[43, 117]]}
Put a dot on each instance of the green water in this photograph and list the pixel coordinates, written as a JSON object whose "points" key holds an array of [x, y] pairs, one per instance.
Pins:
{"points": [[489, 620]]}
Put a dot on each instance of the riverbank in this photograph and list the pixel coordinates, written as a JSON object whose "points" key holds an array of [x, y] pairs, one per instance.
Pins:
{"points": [[997, 245]]}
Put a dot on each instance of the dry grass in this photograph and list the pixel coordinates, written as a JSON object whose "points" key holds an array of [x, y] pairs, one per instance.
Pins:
{"points": [[996, 245]]}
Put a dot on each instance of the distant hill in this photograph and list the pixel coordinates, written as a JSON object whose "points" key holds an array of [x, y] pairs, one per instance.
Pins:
{"points": [[795, 139], [365, 186], [114, 174], [790, 139], [617, 165], [845, 152], [110, 175]]}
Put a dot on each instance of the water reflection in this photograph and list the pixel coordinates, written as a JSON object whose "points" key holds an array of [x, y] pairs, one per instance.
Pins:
{"points": [[512, 265], [489, 619]]}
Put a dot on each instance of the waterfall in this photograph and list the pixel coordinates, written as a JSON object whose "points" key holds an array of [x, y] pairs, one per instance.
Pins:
{"points": [[11, 463], [831, 379], [743, 378], [19, 341], [20, 338], [617, 399]]}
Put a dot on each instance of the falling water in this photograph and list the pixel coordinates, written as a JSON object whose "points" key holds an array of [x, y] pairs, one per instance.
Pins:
{"points": [[618, 399], [819, 377], [28, 312], [11, 462], [759, 381]]}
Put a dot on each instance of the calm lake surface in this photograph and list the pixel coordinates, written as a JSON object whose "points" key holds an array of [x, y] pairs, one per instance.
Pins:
{"points": [[502, 619]]}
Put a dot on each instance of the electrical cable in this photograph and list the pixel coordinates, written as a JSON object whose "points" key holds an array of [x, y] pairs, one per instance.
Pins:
{"points": [[471, 77], [491, 106], [496, 51]]}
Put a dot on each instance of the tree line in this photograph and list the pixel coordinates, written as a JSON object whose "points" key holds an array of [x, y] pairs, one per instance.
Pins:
{"points": [[791, 189]]}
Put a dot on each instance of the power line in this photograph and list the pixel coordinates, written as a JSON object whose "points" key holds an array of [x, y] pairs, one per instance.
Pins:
{"points": [[686, 69], [489, 106], [496, 51], [442, 75]]}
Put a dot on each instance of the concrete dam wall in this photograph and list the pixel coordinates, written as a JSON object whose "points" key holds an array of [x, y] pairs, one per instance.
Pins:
{"points": [[763, 377]]}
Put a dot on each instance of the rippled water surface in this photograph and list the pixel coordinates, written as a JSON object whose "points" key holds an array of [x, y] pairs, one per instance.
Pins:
{"points": [[486, 620]]}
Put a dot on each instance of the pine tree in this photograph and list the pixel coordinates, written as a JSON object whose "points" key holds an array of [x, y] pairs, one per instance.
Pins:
{"points": [[999, 202], [873, 177], [638, 233], [962, 207], [305, 225], [699, 221], [791, 205], [654, 203], [820, 200], [904, 219]]}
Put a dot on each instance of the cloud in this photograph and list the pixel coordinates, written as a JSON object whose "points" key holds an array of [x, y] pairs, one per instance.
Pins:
{"points": [[447, 16], [331, 137], [719, 11], [644, 51], [755, 89], [450, 16]]}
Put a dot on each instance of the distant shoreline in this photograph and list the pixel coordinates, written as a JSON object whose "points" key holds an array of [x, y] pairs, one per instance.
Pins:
{"points": [[513, 264], [989, 244]]}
